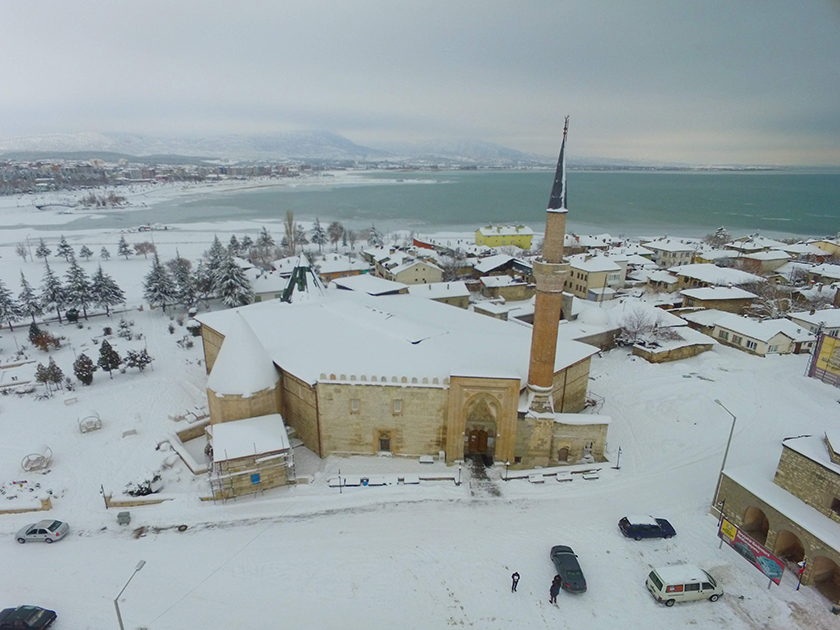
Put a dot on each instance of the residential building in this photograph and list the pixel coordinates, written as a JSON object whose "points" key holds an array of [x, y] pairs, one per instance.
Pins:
{"points": [[452, 293], [771, 336], [507, 288], [414, 272], [825, 273], [503, 235], [731, 299], [671, 252], [764, 262], [706, 275], [594, 278], [826, 320]]}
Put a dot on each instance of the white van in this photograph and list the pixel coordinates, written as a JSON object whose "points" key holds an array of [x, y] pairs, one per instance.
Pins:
{"points": [[682, 583]]}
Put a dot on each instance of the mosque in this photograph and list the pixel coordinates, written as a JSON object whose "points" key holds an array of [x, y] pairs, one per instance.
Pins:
{"points": [[353, 373]]}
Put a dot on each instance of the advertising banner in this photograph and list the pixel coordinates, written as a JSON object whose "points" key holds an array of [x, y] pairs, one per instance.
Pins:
{"points": [[825, 364], [757, 555]]}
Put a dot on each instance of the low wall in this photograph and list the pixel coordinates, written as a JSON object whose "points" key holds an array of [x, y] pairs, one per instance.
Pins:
{"points": [[671, 355], [46, 504]]}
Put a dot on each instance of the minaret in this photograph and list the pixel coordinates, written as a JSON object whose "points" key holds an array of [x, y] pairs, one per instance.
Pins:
{"points": [[550, 274]]}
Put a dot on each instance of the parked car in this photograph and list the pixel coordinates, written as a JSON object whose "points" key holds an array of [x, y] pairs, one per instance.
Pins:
{"points": [[26, 618], [638, 527], [43, 531], [682, 583], [567, 566]]}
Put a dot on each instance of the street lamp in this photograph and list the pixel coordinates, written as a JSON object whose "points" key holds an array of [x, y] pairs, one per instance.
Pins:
{"points": [[139, 566], [725, 453]]}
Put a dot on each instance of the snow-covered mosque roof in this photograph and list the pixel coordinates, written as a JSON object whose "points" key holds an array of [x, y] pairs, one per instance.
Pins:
{"points": [[242, 367], [350, 334]]}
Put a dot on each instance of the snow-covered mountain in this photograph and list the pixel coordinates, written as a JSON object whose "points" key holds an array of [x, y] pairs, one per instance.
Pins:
{"points": [[465, 151]]}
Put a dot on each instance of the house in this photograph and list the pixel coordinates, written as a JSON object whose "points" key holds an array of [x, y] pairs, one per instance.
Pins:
{"points": [[764, 262], [752, 244], [266, 285], [805, 251], [452, 293], [332, 266], [662, 282], [502, 235], [715, 256], [703, 319], [671, 252], [372, 285], [825, 273], [794, 514], [507, 288], [681, 343], [593, 278], [731, 299], [414, 272], [503, 264], [792, 272], [706, 275], [771, 336], [831, 246], [826, 320]]}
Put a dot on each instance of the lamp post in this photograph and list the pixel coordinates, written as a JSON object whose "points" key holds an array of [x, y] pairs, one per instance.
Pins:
{"points": [[139, 566], [725, 453]]}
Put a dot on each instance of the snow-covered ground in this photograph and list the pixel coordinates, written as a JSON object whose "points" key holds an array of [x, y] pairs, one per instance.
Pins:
{"points": [[428, 556]]}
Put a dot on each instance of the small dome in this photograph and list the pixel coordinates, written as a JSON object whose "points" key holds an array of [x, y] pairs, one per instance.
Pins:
{"points": [[243, 366]]}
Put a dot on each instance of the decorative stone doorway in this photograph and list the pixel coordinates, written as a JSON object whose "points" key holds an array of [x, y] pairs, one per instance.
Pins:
{"points": [[480, 430]]}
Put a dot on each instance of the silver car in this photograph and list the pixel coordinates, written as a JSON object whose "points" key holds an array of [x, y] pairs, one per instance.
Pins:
{"points": [[43, 531]]}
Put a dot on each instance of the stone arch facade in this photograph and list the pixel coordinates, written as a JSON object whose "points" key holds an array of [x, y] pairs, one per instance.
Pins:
{"points": [[480, 428], [789, 546], [756, 524], [826, 577]]}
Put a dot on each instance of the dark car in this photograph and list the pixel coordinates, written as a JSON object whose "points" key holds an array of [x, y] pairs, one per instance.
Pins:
{"points": [[26, 618], [638, 527], [566, 564]]}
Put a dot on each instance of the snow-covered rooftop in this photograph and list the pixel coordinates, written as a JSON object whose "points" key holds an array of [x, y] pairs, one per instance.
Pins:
{"points": [[492, 262], [242, 367], [830, 317], [687, 337], [593, 264], [505, 230], [437, 290], [755, 243], [392, 336], [826, 270], [251, 436], [662, 276], [803, 249], [772, 254], [619, 311], [335, 263], [717, 254], [712, 274], [704, 317], [718, 293], [265, 281], [367, 283], [766, 330], [671, 245], [412, 263], [499, 281]]}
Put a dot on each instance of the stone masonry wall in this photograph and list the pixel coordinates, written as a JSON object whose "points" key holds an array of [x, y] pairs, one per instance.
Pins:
{"points": [[300, 410], [570, 387], [807, 480], [212, 344]]}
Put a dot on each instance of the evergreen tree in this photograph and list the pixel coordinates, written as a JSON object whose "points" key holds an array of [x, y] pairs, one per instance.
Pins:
{"points": [[52, 293], [9, 308], [43, 251], [139, 359], [104, 254], [85, 252], [123, 249], [245, 245], [203, 281], [106, 292], [158, 287], [185, 281], [54, 373], [78, 290], [231, 284], [29, 304], [42, 375], [319, 236], [233, 245], [300, 235], [215, 255], [84, 368], [264, 241], [34, 332], [64, 250], [109, 359], [374, 237]]}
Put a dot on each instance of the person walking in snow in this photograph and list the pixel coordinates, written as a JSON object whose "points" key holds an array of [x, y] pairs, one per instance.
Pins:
{"points": [[554, 590], [515, 580]]}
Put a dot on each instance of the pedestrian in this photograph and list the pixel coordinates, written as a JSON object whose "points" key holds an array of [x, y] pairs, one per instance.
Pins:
{"points": [[515, 580], [554, 590]]}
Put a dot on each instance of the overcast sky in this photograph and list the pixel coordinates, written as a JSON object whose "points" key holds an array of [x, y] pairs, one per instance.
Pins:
{"points": [[747, 82]]}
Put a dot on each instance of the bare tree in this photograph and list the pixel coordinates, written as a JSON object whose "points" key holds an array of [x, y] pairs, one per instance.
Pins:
{"points": [[20, 250], [772, 301], [718, 238], [145, 248], [352, 237], [335, 231], [290, 228]]}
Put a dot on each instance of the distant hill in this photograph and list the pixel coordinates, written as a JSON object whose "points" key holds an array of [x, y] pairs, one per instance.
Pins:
{"points": [[466, 152]]}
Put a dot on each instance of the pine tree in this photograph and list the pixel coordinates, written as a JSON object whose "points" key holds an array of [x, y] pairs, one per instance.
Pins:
{"points": [[34, 332], [139, 359], [203, 281], [123, 249], [42, 375], [319, 236], [54, 373], [264, 241], [84, 368], [245, 245], [106, 292], [104, 254], [233, 245], [64, 250], [215, 255], [78, 289], [52, 293], [109, 359], [9, 308], [185, 281], [231, 284], [374, 237], [43, 251], [28, 302], [85, 252], [300, 235], [158, 287]]}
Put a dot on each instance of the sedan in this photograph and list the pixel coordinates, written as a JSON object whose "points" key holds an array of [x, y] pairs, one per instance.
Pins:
{"points": [[638, 527], [571, 575], [43, 531], [26, 618]]}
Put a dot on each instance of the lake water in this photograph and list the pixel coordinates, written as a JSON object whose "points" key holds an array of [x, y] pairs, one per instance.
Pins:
{"points": [[630, 203]]}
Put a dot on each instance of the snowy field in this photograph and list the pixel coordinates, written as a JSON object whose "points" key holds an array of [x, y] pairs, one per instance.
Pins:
{"points": [[430, 556]]}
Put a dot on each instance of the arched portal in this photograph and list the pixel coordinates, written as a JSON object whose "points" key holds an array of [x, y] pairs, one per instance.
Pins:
{"points": [[826, 577], [480, 427], [789, 547], [756, 524], [563, 454]]}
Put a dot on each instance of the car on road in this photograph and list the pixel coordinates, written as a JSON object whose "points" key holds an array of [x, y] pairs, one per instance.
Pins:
{"points": [[26, 618], [567, 566], [638, 527], [43, 531]]}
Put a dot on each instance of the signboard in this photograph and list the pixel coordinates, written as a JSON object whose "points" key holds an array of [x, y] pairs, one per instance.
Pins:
{"points": [[826, 362], [255, 478], [757, 555]]}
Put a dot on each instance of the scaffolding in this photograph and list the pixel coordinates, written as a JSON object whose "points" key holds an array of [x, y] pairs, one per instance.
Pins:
{"points": [[254, 474]]}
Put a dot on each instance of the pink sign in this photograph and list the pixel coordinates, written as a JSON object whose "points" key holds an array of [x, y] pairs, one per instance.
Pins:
{"points": [[757, 555]]}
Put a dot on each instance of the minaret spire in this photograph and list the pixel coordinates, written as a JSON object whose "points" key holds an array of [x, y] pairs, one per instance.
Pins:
{"points": [[558, 199]]}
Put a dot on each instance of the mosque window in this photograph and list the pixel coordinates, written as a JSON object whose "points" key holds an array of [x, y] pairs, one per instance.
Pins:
{"points": [[396, 406], [354, 405]]}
